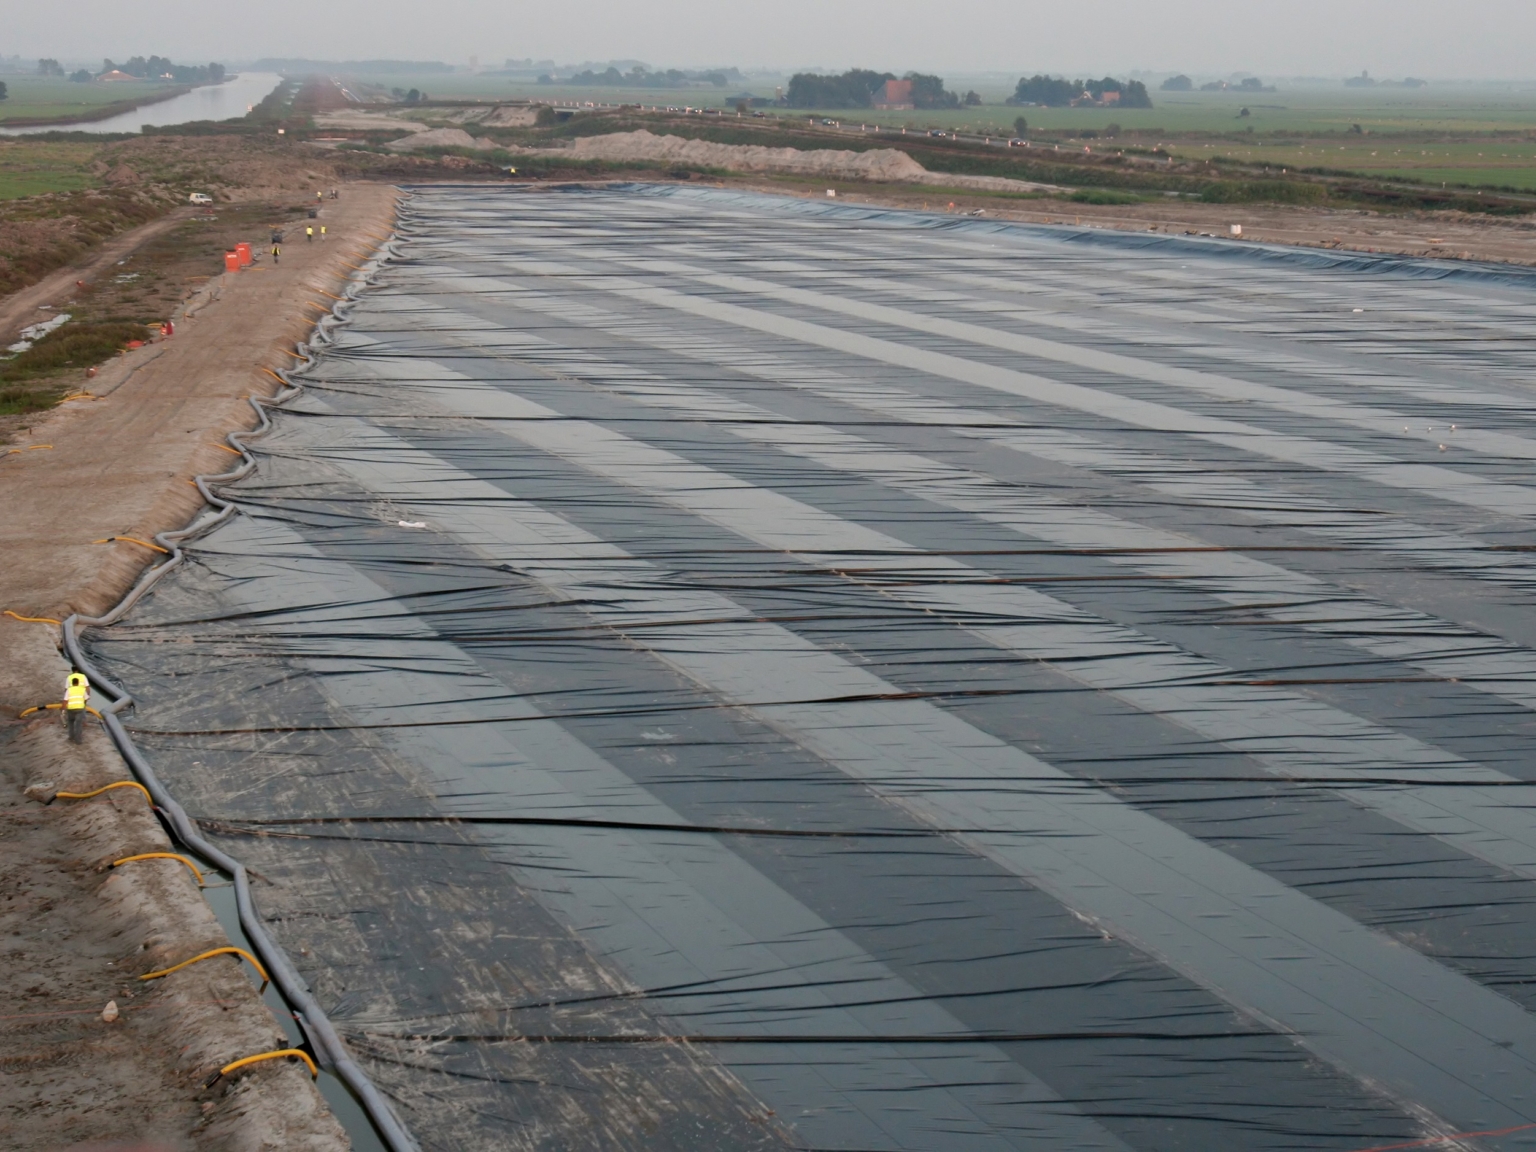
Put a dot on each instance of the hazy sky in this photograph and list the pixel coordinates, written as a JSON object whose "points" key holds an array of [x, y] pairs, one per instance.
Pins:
{"points": [[1391, 38]]}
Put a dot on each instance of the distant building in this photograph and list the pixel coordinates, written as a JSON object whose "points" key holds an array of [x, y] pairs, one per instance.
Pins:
{"points": [[895, 96], [116, 77]]}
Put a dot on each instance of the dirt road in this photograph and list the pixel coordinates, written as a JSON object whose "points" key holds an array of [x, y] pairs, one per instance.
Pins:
{"points": [[22, 308], [122, 466]]}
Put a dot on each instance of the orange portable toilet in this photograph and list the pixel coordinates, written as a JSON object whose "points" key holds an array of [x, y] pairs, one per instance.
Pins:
{"points": [[231, 261], [243, 249]]}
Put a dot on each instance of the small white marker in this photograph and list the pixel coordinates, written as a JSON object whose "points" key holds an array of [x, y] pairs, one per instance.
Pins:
{"points": [[413, 523]]}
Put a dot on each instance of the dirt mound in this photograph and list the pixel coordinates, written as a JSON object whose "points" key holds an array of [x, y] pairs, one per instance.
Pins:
{"points": [[501, 116], [887, 165], [878, 164], [439, 138]]}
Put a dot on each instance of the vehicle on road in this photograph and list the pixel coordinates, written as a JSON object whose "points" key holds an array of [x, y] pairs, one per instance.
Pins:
{"points": [[199, 198], [1017, 143]]}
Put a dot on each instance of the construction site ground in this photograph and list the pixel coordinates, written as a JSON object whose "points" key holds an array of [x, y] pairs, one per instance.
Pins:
{"points": [[76, 936], [121, 466]]}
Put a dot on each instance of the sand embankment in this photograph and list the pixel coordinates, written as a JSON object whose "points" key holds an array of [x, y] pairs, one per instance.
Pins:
{"points": [[440, 138], [121, 466], [881, 165]]}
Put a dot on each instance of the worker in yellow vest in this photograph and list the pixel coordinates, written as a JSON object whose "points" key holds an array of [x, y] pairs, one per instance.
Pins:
{"points": [[77, 697]]}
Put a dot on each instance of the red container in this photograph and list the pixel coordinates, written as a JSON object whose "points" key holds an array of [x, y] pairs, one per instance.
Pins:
{"points": [[231, 261], [244, 251]]}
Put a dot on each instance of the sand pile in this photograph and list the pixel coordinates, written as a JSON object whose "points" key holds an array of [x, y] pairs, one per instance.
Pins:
{"points": [[501, 116], [355, 119], [886, 165], [879, 164], [439, 138]]}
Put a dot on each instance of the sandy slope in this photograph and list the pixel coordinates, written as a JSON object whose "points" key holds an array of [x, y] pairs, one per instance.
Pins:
{"points": [[122, 466], [885, 165]]}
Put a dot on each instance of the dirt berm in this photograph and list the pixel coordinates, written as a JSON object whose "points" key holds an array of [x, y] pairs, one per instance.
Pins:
{"points": [[885, 165], [76, 934]]}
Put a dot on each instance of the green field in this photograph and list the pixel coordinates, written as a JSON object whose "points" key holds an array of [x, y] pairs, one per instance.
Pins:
{"points": [[48, 97], [28, 167], [1499, 162]]}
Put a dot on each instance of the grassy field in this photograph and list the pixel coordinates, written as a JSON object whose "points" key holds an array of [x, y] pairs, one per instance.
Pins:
{"points": [[1499, 162], [49, 97], [28, 168]]}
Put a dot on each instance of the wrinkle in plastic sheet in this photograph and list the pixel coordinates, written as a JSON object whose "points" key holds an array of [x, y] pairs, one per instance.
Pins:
{"points": [[700, 671]]}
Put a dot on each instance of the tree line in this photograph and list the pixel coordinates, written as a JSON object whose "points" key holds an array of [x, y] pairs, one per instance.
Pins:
{"points": [[640, 77], [145, 68], [856, 88], [1059, 92]]}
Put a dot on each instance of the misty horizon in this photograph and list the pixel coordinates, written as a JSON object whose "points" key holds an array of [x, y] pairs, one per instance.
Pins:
{"points": [[1315, 40]]}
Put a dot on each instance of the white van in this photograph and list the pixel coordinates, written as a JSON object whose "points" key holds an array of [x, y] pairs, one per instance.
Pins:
{"points": [[200, 198]]}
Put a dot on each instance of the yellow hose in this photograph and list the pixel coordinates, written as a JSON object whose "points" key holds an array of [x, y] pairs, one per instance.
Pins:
{"points": [[260, 1056], [132, 540], [223, 447], [162, 856], [31, 619], [106, 788], [229, 951]]}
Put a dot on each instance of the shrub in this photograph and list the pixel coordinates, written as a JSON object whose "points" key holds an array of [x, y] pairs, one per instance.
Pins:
{"points": [[1251, 191], [1102, 196], [72, 346]]}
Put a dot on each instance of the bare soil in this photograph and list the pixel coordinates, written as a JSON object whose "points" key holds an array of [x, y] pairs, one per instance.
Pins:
{"points": [[78, 934], [143, 277], [122, 466]]}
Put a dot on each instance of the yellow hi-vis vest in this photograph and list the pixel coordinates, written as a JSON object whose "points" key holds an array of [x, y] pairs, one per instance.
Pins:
{"points": [[77, 690]]}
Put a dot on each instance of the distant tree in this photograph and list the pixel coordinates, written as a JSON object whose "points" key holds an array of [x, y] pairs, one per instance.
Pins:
{"points": [[1179, 83], [1135, 95], [1020, 125], [413, 97], [929, 92], [1046, 90], [741, 107], [1244, 112], [544, 117], [49, 68], [4, 93], [1111, 130], [216, 73], [853, 89], [972, 99], [82, 77], [1251, 84]]}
